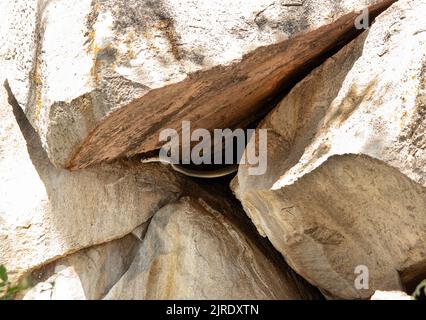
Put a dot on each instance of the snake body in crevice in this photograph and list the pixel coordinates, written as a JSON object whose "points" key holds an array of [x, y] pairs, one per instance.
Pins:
{"points": [[213, 174]]}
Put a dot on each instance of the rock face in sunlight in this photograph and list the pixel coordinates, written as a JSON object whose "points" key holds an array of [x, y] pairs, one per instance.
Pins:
{"points": [[106, 76], [91, 90], [196, 249], [85, 275], [65, 212], [346, 182], [46, 212]]}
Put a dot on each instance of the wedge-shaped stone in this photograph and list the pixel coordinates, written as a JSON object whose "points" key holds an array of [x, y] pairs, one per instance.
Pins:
{"points": [[100, 79]]}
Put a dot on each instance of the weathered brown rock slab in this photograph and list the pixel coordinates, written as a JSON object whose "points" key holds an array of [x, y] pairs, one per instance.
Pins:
{"points": [[100, 79]]}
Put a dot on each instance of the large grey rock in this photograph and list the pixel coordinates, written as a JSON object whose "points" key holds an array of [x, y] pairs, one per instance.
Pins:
{"points": [[46, 213], [346, 182], [86, 275], [100, 79], [200, 248]]}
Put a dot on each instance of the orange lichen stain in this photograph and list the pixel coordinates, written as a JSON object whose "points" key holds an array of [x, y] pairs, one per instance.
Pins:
{"points": [[403, 120], [167, 27], [128, 42], [95, 64], [147, 36], [91, 36], [91, 19], [98, 59], [38, 91], [92, 49]]}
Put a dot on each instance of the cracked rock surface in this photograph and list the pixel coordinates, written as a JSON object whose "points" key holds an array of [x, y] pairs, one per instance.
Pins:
{"points": [[98, 80], [346, 178], [86, 88]]}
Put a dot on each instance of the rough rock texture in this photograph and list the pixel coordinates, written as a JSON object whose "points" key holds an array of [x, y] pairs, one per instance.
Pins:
{"points": [[90, 84], [47, 212], [347, 155], [63, 222], [86, 275], [199, 247], [195, 248], [106, 76]]}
